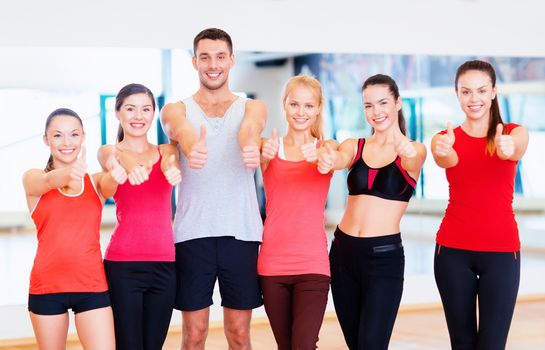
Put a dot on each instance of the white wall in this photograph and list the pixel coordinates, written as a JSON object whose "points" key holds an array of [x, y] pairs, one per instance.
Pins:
{"points": [[446, 27], [267, 83], [78, 68], [37, 80]]}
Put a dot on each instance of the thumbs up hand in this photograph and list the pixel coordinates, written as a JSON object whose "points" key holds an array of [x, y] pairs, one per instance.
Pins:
{"points": [[310, 153], [505, 145], [79, 168], [171, 171], [403, 146], [270, 147], [326, 160], [199, 152], [445, 142], [140, 173], [250, 151], [116, 171]]}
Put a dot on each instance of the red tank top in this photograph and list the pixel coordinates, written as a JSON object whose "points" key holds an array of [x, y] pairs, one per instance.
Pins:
{"points": [[294, 238], [68, 258], [144, 225], [479, 215]]}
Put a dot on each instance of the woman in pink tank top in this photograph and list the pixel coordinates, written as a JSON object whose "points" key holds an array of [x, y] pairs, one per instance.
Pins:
{"points": [[139, 261], [66, 205], [293, 265]]}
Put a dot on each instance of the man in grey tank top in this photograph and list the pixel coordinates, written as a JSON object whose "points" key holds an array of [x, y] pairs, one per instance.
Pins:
{"points": [[217, 226]]}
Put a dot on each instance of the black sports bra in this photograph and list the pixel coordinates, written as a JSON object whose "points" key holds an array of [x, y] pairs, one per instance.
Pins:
{"points": [[389, 182]]}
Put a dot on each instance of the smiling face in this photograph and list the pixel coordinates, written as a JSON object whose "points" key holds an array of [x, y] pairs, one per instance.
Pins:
{"points": [[381, 107], [302, 107], [64, 136], [475, 93], [136, 114], [213, 61]]}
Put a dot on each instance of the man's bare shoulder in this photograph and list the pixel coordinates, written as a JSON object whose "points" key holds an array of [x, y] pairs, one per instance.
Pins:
{"points": [[173, 110], [254, 105]]}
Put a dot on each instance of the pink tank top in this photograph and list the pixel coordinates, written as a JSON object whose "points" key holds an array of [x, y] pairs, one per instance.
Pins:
{"points": [[144, 226], [294, 238]]}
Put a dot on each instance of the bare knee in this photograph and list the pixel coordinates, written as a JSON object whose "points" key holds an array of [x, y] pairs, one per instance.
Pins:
{"points": [[194, 335], [238, 337], [194, 329]]}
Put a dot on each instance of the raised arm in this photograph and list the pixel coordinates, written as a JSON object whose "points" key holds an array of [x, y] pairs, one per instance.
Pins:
{"points": [[122, 165], [411, 153], [169, 164], [332, 159], [255, 116], [311, 152], [106, 184], [269, 149], [37, 182], [511, 146], [441, 148], [177, 127], [108, 161]]}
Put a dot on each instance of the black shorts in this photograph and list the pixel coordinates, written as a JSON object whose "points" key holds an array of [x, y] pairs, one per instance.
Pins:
{"points": [[233, 262], [59, 303]]}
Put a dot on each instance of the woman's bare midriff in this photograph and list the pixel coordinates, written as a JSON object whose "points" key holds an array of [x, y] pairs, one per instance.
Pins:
{"points": [[370, 216]]}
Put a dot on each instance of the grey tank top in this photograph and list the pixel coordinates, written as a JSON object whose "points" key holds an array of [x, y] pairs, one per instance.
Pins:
{"points": [[219, 199]]}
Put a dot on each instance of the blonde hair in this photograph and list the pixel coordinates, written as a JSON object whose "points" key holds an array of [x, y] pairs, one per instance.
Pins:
{"points": [[313, 84]]}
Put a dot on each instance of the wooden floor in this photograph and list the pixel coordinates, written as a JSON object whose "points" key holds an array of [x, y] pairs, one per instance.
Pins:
{"points": [[419, 329]]}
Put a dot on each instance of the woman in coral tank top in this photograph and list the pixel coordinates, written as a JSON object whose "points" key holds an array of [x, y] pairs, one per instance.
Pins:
{"points": [[293, 265], [66, 205], [478, 248]]}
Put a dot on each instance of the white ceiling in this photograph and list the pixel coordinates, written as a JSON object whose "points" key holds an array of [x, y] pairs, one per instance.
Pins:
{"points": [[440, 27]]}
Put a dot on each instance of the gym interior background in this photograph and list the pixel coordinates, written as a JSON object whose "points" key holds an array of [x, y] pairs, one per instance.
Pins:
{"points": [[78, 55]]}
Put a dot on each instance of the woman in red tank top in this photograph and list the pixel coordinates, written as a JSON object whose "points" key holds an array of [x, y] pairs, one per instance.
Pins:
{"points": [[293, 265], [66, 205], [139, 260], [477, 254]]}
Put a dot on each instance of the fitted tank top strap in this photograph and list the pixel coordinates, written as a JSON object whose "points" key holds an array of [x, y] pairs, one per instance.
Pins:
{"points": [[160, 154], [405, 173], [93, 185], [361, 142]]}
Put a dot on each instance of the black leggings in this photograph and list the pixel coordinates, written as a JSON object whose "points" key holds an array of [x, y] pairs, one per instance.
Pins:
{"points": [[142, 295], [464, 277], [366, 284]]}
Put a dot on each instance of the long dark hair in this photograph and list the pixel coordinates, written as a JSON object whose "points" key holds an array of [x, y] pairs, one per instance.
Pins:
{"points": [[382, 79], [126, 91], [50, 117], [495, 116]]}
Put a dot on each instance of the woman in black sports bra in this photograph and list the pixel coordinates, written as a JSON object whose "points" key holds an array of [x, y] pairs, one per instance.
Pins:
{"points": [[367, 259]]}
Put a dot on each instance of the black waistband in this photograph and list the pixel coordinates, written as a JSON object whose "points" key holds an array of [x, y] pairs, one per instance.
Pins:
{"points": [[387, 247], [393, 240]]}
